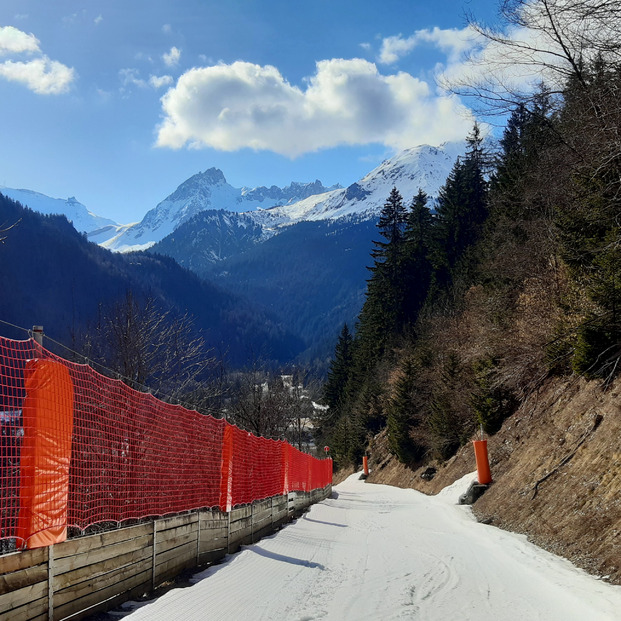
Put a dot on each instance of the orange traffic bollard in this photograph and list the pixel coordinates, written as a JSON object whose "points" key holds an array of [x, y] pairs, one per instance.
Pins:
{"points": [[484, 475], [365, 466]]}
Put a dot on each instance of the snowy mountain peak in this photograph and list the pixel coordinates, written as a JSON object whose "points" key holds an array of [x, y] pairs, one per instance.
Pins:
{"points": [[424, 166], [204, 191], [82, 219]]}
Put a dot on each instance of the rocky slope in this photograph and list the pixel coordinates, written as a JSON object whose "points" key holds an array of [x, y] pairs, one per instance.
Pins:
{"points": [[556, 465]]}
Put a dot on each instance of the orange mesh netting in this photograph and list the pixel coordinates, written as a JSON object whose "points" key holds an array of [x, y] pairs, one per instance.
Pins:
{"points": [[78, 448]]}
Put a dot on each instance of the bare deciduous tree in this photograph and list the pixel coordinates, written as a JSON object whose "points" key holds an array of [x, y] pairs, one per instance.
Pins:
{"points": [[150, 347], [541, 45]]}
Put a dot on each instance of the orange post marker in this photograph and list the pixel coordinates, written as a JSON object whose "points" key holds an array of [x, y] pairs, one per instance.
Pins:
{"points": [[484, 475], [365, 466], [46, 453]]}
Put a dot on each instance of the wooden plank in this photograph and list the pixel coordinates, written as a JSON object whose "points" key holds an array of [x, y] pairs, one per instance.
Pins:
{"points": [[23, 578], [212, 556], [261, 514], [262, 532], [164, 546], [214, 544], [176, 521], [214, 524], [90, 542], [214, 533], [108, 604], [70, 578], [262, 517], [240, 523], [167, 573], [14, 599], [137, 584], [94, 556], [175, 564], [100, 583], [22, 560], [240, 513], [243, 536], [176, 533], [182, 550], [32, 611]]}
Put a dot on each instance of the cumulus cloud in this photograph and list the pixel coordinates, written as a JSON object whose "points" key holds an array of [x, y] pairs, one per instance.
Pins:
{"points": [[346, 102], [14, 41], [172, 58], [41, 75], [452, 41]]}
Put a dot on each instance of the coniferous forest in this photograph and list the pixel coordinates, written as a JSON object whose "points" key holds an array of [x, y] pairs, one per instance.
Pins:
{"points": [[513, 277]]}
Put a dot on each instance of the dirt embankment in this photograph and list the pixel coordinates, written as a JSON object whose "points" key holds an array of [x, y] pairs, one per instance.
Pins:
{"points": [[556, 465]]}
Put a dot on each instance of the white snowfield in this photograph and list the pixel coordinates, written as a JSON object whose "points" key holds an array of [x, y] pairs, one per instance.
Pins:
{"points": [[374, 552]]}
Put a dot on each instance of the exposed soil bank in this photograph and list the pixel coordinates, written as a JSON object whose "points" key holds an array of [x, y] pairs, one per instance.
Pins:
{"points": [[556, 465]]}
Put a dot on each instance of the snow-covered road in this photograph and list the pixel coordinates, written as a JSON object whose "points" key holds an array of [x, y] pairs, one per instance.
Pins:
{"points": [[374, 552]]}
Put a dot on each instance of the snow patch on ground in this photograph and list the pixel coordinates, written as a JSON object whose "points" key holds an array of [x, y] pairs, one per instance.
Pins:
{"points": [[377, 552]]}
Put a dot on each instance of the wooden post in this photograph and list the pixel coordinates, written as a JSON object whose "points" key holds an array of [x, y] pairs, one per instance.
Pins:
{"points": [[37, 334], [198, 536], [365, 466], [154, 554], [252, 522], [50, 582]]}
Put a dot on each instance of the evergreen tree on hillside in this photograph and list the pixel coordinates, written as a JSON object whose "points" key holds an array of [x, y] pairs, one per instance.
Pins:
{"points": [[340, 370], [401, 415], [416, 265], [461, 210], [382, 313]]}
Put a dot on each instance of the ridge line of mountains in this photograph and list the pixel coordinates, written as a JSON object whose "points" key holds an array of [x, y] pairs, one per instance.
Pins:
{"points": [[297, 254]]}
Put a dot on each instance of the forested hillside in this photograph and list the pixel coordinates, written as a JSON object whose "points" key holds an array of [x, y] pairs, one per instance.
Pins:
{"points": [[51, 275], [515, 279]]}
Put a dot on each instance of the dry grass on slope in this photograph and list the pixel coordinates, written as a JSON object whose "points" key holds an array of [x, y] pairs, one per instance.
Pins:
{"points": [[556, 465]]}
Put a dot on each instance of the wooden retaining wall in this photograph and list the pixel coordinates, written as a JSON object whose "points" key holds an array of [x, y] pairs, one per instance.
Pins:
{"points": [[90, 574]]}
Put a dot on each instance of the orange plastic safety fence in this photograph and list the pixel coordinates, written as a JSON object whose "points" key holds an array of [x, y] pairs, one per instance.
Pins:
{"points": [[78, 448]]}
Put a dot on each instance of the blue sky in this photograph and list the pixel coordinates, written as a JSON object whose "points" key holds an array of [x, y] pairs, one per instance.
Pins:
{"points": [[116, 102]]}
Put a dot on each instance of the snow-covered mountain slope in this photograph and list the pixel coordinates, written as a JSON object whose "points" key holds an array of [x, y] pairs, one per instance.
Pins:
{"points": [[208, 190], [423, 167], [82, 219]]}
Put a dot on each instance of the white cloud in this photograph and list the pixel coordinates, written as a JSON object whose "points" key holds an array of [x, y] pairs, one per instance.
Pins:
{"points": [[453, 42], [172, 58], [160, 81], [166, 29], [41, 75], [14, 41], [98, 19], [346, 102]]}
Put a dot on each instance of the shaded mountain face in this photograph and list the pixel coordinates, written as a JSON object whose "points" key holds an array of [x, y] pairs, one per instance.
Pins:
{"points": [[208, 190], [306, 261], [52, 275]]}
